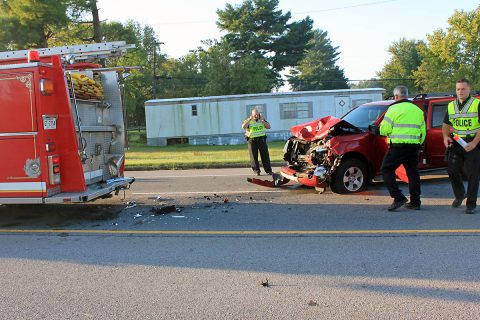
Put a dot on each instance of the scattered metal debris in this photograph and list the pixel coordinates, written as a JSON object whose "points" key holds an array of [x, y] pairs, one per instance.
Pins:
{"points": [[131, 204], [164, 209], [265, 283]]}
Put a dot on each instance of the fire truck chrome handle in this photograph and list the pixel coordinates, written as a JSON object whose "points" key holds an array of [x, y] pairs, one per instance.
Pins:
{"points": [[83, 154]]}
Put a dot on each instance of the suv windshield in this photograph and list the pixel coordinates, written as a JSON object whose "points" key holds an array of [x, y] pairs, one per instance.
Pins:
{"points": [[364, 116]]}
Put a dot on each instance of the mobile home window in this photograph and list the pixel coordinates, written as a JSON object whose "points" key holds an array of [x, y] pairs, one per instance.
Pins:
{"points": [[356, 103], [296, 110], [194, 110], [262, 108]]}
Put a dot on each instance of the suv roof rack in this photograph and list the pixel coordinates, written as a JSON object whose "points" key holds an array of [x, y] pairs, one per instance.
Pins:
{"points": [[421, 96]]}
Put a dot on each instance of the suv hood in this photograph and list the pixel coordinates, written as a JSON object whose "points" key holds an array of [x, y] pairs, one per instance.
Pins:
{"points": [[320, 128]]}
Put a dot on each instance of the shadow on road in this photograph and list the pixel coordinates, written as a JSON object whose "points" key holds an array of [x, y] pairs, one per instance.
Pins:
{"points": [[456, 294], [56, 216]]}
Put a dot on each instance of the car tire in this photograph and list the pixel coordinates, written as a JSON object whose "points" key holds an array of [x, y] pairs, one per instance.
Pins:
{"points": [[350, 177]]}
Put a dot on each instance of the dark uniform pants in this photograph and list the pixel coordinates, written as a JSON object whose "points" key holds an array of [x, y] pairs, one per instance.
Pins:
{"points": [[254, 146], [462, 163], [408, 156]]}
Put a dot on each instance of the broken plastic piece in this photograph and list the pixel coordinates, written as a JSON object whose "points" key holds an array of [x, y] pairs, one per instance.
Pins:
{"points": [[131, 204], [263, 183]]}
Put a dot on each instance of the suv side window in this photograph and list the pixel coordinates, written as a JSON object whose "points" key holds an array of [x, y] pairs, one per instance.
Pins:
{"points": [[438, 113]]}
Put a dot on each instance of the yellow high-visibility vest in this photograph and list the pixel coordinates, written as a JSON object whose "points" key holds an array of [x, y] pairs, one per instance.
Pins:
{"points": [[464, 122], [256, 129], [404, 122]]}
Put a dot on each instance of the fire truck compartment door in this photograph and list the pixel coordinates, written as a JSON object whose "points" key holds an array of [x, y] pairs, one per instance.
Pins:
{"points": [[20, 163], [17, 103], [20, 167]]}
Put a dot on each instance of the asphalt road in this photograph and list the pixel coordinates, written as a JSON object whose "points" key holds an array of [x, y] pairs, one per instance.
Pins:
{"points": [[325, 256]]}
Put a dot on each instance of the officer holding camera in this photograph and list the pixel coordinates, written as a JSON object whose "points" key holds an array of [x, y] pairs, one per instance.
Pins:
{"points": [[255, 128]]}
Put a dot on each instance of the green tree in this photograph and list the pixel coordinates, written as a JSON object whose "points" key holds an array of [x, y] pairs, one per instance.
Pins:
{"points": [[225, 73], [452, 54], [259, 28], [181, 77], [138, 85], [318, 70], [371, 83], [405, 59], [86, 12], [31, 23]]}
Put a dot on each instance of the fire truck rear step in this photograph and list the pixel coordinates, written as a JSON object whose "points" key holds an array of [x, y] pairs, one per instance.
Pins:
{"points": [[93, 192]]}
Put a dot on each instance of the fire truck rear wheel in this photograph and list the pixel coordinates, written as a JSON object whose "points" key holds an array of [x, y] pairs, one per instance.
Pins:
{"points": [[350, 177]]}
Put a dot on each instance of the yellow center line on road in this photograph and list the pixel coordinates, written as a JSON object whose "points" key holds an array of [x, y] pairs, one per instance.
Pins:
{"points": [[245, 232]]}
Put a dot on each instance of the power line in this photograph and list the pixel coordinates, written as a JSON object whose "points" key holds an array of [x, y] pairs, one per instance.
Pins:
{"points": [[347, 7], [367, 4]]}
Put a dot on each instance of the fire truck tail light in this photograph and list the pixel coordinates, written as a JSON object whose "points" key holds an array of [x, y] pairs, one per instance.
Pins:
{"points": [[46, 87], [54, 169]]}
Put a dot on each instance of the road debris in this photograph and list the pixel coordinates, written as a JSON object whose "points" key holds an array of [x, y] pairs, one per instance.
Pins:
{"points": [[63, 234], [265, 283], [138, 215], [131, 204], [178, 217], [225, 200], [312, 303], [164, 209]]}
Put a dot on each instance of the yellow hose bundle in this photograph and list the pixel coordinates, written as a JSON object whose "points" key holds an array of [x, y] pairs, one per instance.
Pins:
{"points": [[86, 87]]}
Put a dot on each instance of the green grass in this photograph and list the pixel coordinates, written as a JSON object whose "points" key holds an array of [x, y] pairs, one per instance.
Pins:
{"points": [[140, 156]]}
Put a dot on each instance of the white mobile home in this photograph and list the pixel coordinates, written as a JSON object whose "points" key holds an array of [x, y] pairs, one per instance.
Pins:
{"points": [[218, 119]]}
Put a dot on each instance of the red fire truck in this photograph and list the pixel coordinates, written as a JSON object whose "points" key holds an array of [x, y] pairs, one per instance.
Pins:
{"points": [[56, 145]]}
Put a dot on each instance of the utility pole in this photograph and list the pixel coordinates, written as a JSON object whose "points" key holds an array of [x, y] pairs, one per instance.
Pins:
{"points": [[157, 44]]}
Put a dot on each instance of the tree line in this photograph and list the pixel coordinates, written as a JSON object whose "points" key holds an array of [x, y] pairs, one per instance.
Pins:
{"points": [[262, 49], [435, 64]]}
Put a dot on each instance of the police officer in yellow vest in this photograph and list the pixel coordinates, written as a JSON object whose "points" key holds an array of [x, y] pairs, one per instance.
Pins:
{"points": [[404, 125], [463, 116], [255, 128]]}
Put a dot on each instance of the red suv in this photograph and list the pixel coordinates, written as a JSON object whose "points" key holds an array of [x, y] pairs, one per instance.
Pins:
{"points": [[346, 154]]}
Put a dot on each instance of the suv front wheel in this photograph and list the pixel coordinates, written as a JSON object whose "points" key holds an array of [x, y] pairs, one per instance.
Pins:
{"points": [[350, 177]]}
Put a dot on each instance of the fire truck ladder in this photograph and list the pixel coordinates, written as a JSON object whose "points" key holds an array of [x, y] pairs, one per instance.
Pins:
{"points": [[83, 52]]}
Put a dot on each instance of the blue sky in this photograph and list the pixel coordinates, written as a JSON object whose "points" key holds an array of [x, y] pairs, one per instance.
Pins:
{"points": [[363, 29]]}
